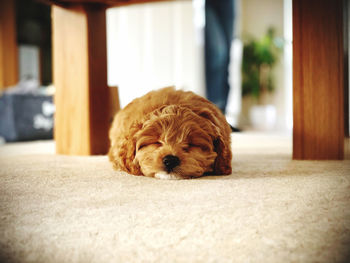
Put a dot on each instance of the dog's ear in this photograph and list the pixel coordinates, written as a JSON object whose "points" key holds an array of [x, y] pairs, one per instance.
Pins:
{"points": [[122, 153], [222, 164], [222, 146]]}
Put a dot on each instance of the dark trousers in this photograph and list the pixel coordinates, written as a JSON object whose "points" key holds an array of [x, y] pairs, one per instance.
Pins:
{"points": [[219, 16]]}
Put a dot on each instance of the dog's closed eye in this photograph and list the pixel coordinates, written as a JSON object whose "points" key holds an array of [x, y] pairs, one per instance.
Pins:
{"points": [[157, 144], [190, 146]]}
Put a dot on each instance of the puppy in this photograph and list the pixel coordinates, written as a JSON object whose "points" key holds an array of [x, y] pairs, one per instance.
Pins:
{"points": [[171, 134]]}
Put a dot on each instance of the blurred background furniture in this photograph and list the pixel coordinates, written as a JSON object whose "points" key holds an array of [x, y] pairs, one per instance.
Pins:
{"points": [[83, 100], [8, 45], [319, 86]]}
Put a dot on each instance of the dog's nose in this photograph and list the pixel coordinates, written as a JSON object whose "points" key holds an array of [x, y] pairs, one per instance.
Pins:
{"points": [[170, 162]]}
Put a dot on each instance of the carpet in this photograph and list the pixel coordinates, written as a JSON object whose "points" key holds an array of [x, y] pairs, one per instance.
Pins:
{"points": [[56, 208]]}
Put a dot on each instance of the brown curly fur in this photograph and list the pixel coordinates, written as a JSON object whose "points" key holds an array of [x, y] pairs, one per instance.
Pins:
{"points": [[171, 122]]}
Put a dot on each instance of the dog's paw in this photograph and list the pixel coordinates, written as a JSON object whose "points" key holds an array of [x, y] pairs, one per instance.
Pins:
{"points": [[166, 176]]}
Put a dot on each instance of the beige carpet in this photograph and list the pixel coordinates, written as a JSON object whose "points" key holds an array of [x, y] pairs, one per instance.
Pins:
{"points": [[77, 209]]}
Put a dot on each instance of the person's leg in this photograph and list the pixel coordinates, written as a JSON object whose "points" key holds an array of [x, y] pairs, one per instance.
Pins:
{"points": [[215, 56], [218, 38], [226, 10]]}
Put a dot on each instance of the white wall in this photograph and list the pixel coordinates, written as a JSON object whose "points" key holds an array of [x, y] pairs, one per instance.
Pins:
{"points": [[287, 122], [155, 45]]}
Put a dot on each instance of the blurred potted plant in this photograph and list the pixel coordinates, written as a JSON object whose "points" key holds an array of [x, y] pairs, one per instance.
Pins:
{"points": [[259, 58]]}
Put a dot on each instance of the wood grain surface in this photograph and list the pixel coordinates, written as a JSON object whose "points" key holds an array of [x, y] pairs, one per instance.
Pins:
{"points": [[8, 45], [80, 77], [318, 79]]}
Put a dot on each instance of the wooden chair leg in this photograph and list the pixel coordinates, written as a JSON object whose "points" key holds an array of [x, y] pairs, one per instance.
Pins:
{"points": [[80, 77], [8, 45], [318, 79]]}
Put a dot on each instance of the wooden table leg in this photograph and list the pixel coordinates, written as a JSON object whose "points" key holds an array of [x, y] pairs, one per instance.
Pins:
{"points": [[80, 77], [8, 45], [318, 79]]}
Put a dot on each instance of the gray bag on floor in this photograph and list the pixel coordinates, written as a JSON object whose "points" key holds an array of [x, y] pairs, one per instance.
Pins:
{"points": [[26, 117]]}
